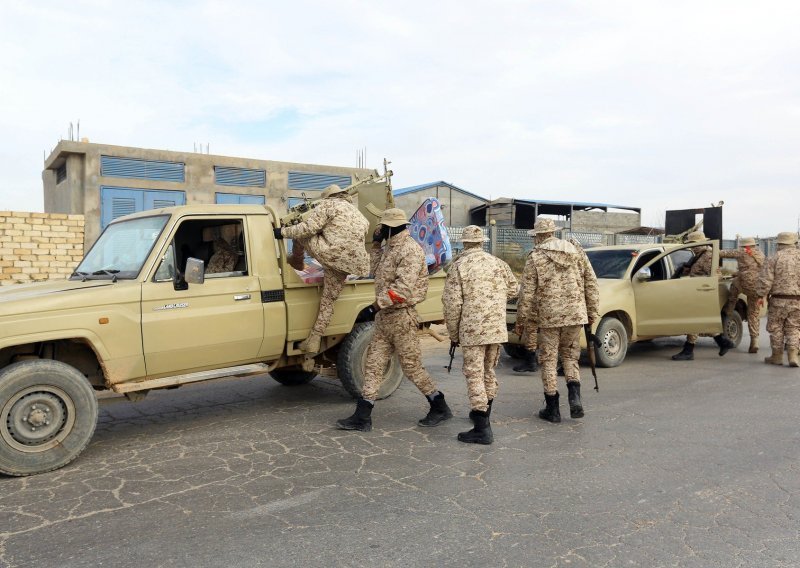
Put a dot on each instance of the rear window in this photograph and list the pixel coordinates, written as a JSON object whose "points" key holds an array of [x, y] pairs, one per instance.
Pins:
{"points": [[610, 263]]}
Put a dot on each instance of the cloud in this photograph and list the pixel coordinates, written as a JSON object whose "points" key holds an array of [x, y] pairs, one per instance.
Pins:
{"points": [[658, 105]]}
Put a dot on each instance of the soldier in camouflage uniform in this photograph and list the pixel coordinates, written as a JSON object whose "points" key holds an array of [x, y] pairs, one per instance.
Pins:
{"points": [[779, 280], [749, 260], [334, 234], [401, 282], [476, 291], [700, 265], [224, 257], [559, 294]]}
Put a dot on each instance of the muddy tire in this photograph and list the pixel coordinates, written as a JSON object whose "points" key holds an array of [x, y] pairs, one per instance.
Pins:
{"points": [[292, 376], [613, 342], [733, 327], [352, 359], [48, 413]]}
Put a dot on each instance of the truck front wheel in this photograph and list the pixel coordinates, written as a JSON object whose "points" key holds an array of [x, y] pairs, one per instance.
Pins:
{"points": [[48, 413], [613, 342], [352, 361], [733, 327]]}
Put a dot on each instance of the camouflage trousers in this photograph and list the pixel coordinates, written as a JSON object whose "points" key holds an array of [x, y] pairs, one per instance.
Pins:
{"points": [[783, 323], [564, 341], [479, 364], [395, 332], [753, 309], [332, 284]]}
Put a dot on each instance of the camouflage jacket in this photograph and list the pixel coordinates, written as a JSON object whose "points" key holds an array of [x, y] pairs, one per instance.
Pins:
{"points": [[559, 287], [750, 261], [477, 288], [701, 263], [401, 275], [334, 233], [224, 257], [781, 274]]}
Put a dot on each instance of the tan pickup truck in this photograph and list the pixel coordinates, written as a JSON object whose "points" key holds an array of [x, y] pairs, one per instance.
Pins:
{"points": [[642, 297], [133, 318]]}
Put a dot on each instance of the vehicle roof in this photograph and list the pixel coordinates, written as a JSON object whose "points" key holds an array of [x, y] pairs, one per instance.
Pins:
{"points": [[202, 209], [644, 246]]}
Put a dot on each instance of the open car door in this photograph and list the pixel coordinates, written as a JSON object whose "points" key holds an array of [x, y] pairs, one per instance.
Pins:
{"points": [[676, 306]]}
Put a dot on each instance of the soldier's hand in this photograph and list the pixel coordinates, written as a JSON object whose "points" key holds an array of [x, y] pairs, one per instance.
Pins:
{"points": [[377, 234], [519, 329], [277, 232], [760, 302], [375, 307]]}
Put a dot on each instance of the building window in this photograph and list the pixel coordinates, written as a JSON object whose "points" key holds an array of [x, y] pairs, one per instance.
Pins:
{"points": [[241, 177], [238, 199], [118, 201], [61, 173], [308, 180], [113, 166]]}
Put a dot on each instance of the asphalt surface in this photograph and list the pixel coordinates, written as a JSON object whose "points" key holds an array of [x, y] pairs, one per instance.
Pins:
{"points": [[675, 464]]}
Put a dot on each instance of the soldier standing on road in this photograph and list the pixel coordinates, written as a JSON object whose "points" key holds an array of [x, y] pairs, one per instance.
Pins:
{"points": [[333, 233], [401, 282], [700, 265], [779, 280], [749, 260], [559, 294], [476, 291]]}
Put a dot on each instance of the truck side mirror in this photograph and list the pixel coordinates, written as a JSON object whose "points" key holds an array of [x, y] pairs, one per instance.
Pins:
{"points": [[644, 274], [195, 271]]}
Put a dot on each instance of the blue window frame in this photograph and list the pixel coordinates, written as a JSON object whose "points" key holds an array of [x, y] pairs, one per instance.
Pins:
{"points": [[238, 199], [241, 177], [113, 166], [312, 181], [118, 201]]}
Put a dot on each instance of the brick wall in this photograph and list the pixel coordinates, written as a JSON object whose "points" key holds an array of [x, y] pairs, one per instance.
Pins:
{"points": [[39, 246]]}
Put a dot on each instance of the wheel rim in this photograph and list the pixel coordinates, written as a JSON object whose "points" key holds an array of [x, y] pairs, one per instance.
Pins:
{"points": [[612, 343], [37, 419], [732, 328]]}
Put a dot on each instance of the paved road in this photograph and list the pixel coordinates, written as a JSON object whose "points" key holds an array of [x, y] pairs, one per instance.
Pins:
{"points": [[676, 464]]}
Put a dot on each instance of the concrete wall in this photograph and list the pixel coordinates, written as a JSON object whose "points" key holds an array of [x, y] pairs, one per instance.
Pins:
{"points": [[455, 204], [602, 222], [39, 246], [80, 192]]}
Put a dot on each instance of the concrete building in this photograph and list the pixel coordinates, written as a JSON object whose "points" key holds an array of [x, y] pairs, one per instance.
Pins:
{"points": [[572, 215], [456, 203], [103, 182]]}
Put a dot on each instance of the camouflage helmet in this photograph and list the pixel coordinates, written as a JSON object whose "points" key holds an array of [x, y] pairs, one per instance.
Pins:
{"points": [[786, 238], [695, 237], [543, 225], [394, 217], [473, 234], [332, 189], [747, 242]]}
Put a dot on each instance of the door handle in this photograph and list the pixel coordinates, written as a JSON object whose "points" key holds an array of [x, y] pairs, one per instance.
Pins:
{"points": [[240, 297], [706, 289]]}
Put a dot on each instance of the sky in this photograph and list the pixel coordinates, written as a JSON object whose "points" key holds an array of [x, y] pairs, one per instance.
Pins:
{"points": [[653, 104]]}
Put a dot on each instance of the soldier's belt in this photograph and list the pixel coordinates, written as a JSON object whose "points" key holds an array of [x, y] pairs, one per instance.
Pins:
{"points": [[786, 296]]}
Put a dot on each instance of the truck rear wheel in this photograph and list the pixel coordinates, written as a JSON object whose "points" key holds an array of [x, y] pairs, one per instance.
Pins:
{"points": [[292, 376], [48, 413], [351, 363], [733, 327]]}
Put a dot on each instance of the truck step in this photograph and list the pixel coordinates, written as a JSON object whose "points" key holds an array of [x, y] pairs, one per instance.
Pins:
{"points": [[240, 371]]}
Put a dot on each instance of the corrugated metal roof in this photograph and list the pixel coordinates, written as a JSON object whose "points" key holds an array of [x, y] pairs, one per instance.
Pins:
{"points": [[424, 186], [573, 204]]}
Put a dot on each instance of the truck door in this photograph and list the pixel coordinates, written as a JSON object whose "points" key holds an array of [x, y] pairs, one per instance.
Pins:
{"points": [[675, 306], [218, 323]]}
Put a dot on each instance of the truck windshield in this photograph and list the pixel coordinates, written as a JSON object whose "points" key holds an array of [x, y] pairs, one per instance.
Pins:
{"points": [[121, 250], [611, 263]]}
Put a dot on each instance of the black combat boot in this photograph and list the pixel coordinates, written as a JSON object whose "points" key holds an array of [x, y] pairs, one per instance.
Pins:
{"points": [[530, 363], [686, 354], [550, 412], [481, 433], [724, 343], [438, 413], [574, 397], [360, 420]]}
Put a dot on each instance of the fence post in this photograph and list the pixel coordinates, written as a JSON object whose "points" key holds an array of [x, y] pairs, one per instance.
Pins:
{"points": [[493, 237]]}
